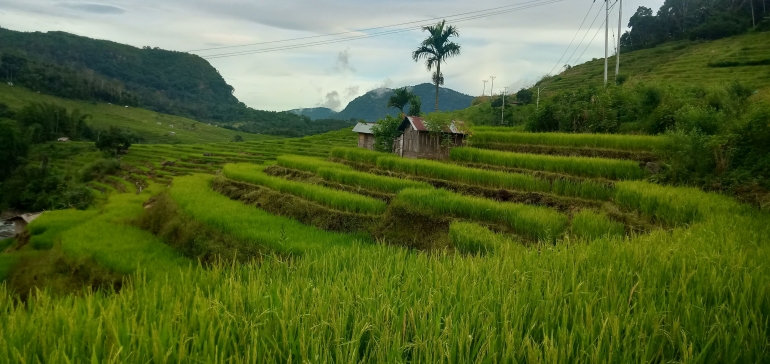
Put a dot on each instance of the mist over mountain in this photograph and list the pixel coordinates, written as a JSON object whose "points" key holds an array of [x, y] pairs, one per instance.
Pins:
{"points": [[372, 105]]}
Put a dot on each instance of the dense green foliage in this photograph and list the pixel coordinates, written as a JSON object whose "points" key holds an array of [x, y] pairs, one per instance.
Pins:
{"points": [[170, 82], [385, 133], [115, 140], [677, 19]]}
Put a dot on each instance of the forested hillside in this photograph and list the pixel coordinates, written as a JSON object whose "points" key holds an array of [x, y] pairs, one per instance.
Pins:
{"points": [[183, 84]]}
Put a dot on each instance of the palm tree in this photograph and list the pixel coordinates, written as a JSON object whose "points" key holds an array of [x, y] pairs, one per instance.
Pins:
{"points": [[399, 99], [436, 49]]}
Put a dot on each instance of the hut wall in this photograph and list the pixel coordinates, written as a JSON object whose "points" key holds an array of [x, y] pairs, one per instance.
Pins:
{"points": [[366, 141], [419, 144]]}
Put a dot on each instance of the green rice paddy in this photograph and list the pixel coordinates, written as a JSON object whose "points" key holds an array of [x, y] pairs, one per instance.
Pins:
{"points": [[533, 280]]}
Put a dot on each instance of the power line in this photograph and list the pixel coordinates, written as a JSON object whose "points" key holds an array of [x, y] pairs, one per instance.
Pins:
{"points": [[389, 32], [584, 35], [592, 39], [365, 29], [573, 38]]}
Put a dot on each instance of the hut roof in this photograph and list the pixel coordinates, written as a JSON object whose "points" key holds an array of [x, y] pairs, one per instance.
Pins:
{"points": [[28, 218], [365, 128], [418, 123]]}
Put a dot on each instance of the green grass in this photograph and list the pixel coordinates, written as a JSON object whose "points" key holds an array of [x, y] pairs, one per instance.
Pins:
{"points": [[506, 129], [336, 199], [533, 221], [591, 225], [195, 196], [681, 63], [472, 238], [579, 166], [369, 181], [359, 155], [310, 164], [154, 127], [602, 141], [47, 227]]}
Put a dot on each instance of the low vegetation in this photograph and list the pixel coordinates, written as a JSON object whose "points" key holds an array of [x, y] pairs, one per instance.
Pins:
{"points": [[606, 141], [341, 200], [581, 166], [536, 222]]}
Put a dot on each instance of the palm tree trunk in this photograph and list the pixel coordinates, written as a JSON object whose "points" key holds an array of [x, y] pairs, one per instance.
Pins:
{"points": [[438, 79]]}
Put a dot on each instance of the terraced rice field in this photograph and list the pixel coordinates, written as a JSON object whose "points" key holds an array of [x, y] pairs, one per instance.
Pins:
{"points": [[348, 255]]}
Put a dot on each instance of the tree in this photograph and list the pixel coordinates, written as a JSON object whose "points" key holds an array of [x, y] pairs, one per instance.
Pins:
{"points": [[48, 122], [237, 138], [115, 140], [436, 49], [385, 132], [524, 96], [13, 147], [399, 99], [415, 104]]}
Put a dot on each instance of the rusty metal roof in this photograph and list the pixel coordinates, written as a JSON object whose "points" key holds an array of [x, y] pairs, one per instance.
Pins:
{"points": [[418, 123]]}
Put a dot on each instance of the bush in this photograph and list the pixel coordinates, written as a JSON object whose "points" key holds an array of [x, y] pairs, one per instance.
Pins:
{"points": [[98, 169]]}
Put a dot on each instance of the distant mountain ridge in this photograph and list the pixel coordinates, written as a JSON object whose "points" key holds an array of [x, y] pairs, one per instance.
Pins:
{"points": [[372, 105], [177, 83]]}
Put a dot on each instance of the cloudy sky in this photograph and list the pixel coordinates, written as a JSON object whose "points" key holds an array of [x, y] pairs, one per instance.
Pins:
{"points": [[517, 45]]}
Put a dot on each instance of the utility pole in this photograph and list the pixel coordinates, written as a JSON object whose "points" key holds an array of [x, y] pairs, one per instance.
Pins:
{"points": [[753, 25], [606, 36], [617, 52], [502, 114], [485, 87], [492, 88], [537, 103]]}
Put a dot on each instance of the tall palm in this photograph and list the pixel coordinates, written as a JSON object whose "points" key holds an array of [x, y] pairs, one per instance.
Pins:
{"points": [[436, 49], [399, 99]]}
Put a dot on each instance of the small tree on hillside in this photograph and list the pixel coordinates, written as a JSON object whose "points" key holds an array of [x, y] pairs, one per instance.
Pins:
{"points": [[115, 140], [385, 132], [524, 96]]}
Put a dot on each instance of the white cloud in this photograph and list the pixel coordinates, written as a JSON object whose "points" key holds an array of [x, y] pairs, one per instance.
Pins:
{"points": [[517, 47]]}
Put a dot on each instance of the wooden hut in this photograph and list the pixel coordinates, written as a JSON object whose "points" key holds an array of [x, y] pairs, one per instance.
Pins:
{"points": [[418, 142], [365, 135]]}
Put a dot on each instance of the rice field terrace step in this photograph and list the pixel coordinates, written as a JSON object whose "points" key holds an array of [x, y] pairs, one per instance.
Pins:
{"points": [[640, 156], [304, 211], [311, 178]]}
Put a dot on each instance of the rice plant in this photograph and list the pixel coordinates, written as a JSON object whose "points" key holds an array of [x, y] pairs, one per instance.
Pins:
{"points": [[533, 221], [580, 166], [672, 205], [310, 164], [592, 225], [340, 200], [605, 141], [359, 155], [473, 238], [369, 181], [688, 295], [195, 197], [433, 169]]}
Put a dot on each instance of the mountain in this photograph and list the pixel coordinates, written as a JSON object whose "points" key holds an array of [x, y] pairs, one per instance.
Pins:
{"points": [[372, 105], [316, 113], [177, 83]]}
